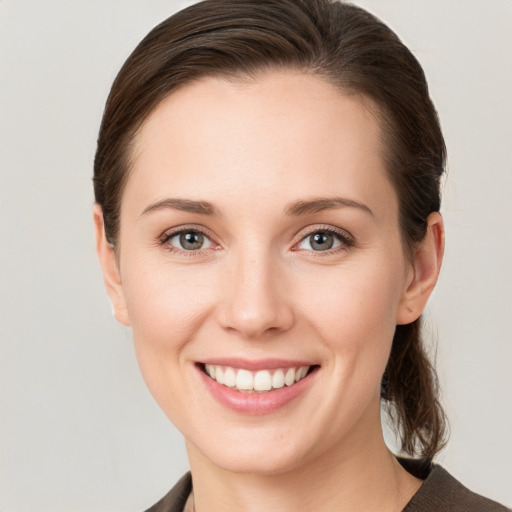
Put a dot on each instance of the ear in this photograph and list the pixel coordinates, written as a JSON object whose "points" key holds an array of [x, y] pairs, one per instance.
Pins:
{"points": [[425, 269], [110, 268]]}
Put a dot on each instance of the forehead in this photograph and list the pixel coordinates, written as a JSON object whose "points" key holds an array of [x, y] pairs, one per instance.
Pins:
{"points": [[282, 131]]}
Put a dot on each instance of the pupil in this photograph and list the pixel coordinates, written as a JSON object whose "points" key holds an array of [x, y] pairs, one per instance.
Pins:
{"points": [[191, 241], [322, 241]]}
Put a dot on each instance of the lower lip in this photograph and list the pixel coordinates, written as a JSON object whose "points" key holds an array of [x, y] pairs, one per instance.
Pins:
{"points": [[256, 403]]}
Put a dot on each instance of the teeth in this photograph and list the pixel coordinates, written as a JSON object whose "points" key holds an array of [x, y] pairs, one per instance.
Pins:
{"points": [[289, 378], [260, 381], [244, 380], [229, 378], [303, 371], [278, 379], [263, 381]]}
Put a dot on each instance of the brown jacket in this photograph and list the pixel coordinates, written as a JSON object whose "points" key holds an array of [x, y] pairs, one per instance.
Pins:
{"points": [[440, 492]]}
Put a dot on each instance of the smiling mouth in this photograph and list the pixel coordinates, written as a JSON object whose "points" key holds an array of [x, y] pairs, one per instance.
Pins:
{"points": [[261, 381]]}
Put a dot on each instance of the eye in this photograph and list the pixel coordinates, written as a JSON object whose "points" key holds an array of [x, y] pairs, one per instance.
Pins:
{"points": [[323, 240], [188, 240]]}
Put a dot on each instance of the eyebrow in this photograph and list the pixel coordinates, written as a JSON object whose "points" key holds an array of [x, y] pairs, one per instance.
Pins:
{"points": [[321, 204], [184, 205], [294, 209]]}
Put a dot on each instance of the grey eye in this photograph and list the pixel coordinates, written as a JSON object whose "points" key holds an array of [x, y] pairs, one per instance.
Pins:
{"points": [[320, 241], [190, 241]]}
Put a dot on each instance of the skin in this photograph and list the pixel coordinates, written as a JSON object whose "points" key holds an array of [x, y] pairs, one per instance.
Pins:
{"points": [[252, 149]]}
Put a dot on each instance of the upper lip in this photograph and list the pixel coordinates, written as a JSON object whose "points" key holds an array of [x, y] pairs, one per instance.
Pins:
{"points": [[256, 364]]}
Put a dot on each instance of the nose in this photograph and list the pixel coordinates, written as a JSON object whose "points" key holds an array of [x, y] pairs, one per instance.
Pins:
{"points": [[256, 302]]}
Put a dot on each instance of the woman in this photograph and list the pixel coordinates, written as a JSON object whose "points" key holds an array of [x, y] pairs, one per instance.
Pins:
{"points": [[267, 219]]}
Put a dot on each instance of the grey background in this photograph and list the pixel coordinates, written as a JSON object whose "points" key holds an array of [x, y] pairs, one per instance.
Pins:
{"points": [[79, 431]]}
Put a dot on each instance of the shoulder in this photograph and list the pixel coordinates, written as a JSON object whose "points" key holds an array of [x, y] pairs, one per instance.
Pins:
{"points": [[441, 491], [175, 499]]}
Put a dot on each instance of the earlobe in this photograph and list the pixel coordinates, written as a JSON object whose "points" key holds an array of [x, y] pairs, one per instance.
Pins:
{"points": [[110, 269], [426, 266]]}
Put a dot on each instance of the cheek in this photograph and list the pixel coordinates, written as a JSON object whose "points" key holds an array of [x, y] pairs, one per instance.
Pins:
{"points": [[164, 302], [353, 298], [354, 310], [166, 309]]}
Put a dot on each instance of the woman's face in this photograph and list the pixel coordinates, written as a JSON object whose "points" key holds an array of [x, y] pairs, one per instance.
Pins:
{"points": [[259, 240]]}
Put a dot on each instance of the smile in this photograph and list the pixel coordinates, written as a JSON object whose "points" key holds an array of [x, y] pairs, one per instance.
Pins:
{"points": [[257, 387], [260, 381]]}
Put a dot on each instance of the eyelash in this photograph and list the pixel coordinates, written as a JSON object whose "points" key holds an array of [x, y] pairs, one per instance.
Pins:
{"points": [[346, 240], [166, 237]]}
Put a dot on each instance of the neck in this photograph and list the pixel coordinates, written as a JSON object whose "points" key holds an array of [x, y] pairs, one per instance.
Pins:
{"points": [[360, 475]]}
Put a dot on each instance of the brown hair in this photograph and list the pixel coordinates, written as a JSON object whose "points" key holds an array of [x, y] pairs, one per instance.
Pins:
{"points": [[344, 45]]}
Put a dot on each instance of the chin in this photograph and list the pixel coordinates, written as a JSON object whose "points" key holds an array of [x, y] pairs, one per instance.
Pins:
{"points": [[245, 464], [255, 458]]}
